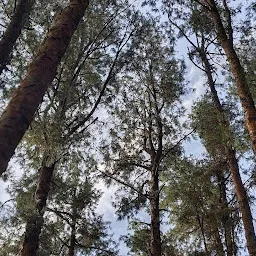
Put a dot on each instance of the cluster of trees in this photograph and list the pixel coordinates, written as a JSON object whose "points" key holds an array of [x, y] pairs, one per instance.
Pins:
{"points": [[101, 98]]}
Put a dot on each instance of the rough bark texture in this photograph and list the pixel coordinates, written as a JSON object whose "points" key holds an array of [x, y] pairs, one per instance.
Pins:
{"points": [[27, 97], [13, 31], [156, 154], [243, 203], [35, 220], [32, 234], [155, 243], [233, 165], [243, 91], [43, 186]]}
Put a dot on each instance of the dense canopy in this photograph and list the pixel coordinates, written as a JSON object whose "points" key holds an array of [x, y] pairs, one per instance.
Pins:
{"points": [[127, 128]]}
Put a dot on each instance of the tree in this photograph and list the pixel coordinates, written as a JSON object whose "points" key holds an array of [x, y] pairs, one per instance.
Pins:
{"points": [[63, 117], [200, 56], [13, 31], [71, 223], [144, 136], [231, 158], [20, 111], [225, 37], [196, 208]]}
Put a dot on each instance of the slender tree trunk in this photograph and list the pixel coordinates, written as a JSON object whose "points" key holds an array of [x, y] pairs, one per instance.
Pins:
{"points": [[243, 203], [35, 220], [201, 226], [27, 97], [71, 248], [233, 165], [226, 218], [155, 244], [13, 31], [237, 70], [219, 245]]}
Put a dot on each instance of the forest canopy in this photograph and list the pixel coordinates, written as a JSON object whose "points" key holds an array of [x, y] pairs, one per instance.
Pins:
{"points": [[127, 128]]}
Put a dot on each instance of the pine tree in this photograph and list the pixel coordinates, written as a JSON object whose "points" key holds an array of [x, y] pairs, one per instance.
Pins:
{"points": [[25, 100], [147, 122], [13, 31]]}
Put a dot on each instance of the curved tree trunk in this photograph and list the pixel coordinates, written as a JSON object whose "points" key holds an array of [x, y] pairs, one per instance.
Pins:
{"points": [[233, 165], [35, 220], [243, 91], [27, 97], [13, 31]]}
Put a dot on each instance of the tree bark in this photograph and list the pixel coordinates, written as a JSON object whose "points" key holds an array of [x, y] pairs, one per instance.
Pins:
{"points": [[225, 218], [243, 91], [33, 230], [71, 248], [243, 202], [27, 97], [219, 245], [200, 221], [155, 243], [43, 186], [35, 220], [13, 31], [233, 164]]}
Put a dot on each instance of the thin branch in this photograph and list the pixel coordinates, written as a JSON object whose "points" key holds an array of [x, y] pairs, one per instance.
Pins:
{"points": [[7, 201], [178, 142], [109, 77], [123, 183], [93, 248]]}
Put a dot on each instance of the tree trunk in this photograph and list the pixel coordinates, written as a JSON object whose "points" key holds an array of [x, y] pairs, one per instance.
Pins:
{"points": [[200, 221], [43, 186], [233, 165], [71, 248], [31, 240], [35, 220], [237, 70], [155, 243], [27, 97], [243, 203], [225, 218], [13, 31], [218, 242]]}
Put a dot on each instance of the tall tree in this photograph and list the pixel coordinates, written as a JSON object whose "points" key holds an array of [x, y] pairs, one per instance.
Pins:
{"points": [[222, 19], [197, 212], [200, 55], [229, 150], [143, 137], [27, 97], [13, 31], [58, 123]]}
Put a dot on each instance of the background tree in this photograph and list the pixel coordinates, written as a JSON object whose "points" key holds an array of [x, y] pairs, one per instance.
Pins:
{"points": [[145, 134], [12, 32]]}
